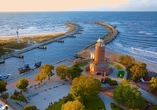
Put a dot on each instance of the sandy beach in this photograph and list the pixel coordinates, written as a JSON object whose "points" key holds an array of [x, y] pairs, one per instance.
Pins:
{"points": [[150, 65], [31, 35]]}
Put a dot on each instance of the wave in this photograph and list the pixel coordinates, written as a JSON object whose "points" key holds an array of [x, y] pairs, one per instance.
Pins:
{"points": [[112, 23], [141, 32], [146, 33], [149, 34], [145, 52], [32, 30]]}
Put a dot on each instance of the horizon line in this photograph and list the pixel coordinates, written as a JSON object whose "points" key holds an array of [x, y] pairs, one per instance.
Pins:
{"points": [[75, 11]]}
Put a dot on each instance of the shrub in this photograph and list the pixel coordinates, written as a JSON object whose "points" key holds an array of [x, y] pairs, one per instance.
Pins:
{"points": [[113, 82], [115, 107], [107, 79], [18, 96]]}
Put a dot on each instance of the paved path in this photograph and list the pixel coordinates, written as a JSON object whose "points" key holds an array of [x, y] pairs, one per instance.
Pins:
{"points": [[107, 100], [148, 96]]}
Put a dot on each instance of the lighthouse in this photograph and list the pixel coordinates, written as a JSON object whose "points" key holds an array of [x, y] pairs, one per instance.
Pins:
{"points": [[99, 64], [17, 37]]}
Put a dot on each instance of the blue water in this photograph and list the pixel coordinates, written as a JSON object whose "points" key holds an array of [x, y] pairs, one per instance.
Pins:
{"points": [[137, 37]]}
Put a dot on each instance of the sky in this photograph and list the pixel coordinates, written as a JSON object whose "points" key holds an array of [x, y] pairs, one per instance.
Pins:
{"points": [[77, 5]]}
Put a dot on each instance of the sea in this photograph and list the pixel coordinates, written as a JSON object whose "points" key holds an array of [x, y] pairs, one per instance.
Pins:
{"points": [[137, 34]]}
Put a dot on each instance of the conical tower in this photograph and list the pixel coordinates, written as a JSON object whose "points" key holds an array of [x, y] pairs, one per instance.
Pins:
{"points": [[99, 63], [99, 51]]}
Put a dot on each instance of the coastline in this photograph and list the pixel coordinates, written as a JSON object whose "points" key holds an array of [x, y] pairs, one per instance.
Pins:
{"points": [[150, 65], [70, 25], [112, 33], [74, 28], [31, 35]]}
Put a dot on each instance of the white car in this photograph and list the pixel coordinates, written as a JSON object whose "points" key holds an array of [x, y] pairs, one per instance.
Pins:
{"points": [[2, 77]]}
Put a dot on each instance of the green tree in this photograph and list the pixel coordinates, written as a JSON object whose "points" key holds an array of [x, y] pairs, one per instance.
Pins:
{"points": [[40, 77], [75, 71], [46, 70], [62, 71], [30, 107], [126, 60], [73, 105], [138, 71], [3, 85], [22, 84], [128, 95], [5, 96], [85, 87], [153, 85]]}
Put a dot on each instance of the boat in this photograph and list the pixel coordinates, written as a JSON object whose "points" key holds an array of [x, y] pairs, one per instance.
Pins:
{"points": [[24, 69], [6, 76], [2, 60], [37, 64]]}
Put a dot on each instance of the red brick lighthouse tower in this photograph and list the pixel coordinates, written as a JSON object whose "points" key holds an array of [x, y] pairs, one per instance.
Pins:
{"points": [[98, 63]]}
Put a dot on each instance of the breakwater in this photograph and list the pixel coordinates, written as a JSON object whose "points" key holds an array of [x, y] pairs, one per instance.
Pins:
{"points": [[112, 33], [77, 28]]}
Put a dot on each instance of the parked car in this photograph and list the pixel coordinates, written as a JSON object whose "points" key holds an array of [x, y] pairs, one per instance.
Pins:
{"points": [[2, 77]]}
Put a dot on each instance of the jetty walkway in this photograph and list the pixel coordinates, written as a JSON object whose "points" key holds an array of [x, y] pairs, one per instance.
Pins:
{"points": [[112, 33], [77, 28]]}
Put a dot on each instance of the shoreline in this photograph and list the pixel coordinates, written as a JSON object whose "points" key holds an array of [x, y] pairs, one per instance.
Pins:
{"points": [[150, 65], [70, 25], [112, 33], [31, 35], [74, 28]]}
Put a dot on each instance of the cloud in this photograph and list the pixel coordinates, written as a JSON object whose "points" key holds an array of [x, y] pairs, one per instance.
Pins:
{"points": [[143, 1], [138, 5], [55, 5], [114, 3]]}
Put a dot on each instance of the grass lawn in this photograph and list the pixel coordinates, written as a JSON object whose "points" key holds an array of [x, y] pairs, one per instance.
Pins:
{"points": [[111, 63], [153, 107], [120, 74], [3, 51], [57, 105], [83, 64], [95, 104], [118, 66], [115, 107]]}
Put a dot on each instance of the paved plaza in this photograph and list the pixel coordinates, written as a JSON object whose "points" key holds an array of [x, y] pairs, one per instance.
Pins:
{"points": [[54, 89], [50, 91]]}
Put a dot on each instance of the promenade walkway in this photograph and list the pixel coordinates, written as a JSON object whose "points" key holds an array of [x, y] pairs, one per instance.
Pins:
{"points": [[107, 100], [50, 91]]}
